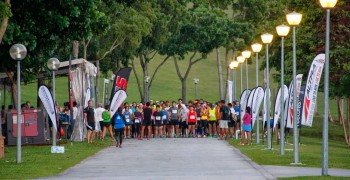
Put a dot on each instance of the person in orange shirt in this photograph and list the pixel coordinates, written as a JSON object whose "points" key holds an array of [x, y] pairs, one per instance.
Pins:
{"points": [[218, 117]]}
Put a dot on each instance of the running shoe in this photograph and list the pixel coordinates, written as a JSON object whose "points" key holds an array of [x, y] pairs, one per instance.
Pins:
{"points": [[242, 144]]}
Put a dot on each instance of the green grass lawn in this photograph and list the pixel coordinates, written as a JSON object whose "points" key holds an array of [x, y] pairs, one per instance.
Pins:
{"points": [[37, 161], [310, 149]]}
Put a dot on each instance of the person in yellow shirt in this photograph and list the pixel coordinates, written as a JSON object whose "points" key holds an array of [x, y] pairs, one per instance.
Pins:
{"points": [[204, 121], [212, 121]]}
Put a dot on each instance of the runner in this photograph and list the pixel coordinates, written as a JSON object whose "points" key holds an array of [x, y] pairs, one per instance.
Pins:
{"points": [[224, 120], [133, 110], [237, 112], [165, 119], [99, 125], [218, 116], [191, 121], [183, 119], [204, 120], [158, 122], [232, 120], [247, 127], [198, 112], [106, 115], [128, 116], [212, 121], [147, 123], [90, 121], [118, 122], [174, 120], [138, 119]]}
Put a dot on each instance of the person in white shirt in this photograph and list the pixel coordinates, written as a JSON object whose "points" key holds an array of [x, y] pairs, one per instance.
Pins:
{"points": [[98, 116]]}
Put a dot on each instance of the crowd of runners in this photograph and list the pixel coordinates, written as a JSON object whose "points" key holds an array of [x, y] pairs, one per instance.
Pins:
{"points": [[162, 119]]}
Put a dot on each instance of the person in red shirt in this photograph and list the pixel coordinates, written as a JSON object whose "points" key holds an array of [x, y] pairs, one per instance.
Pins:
{"points": [[191, 121]]}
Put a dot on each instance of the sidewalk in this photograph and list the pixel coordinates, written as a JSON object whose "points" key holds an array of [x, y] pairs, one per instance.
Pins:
{"points": [[286, 171], [181, 159], [167, 159]]}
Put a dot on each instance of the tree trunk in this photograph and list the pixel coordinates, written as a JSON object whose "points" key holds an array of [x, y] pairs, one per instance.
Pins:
{"points": [[13, 83], [227, 75], [137, 81], [184, 78], [344, 128], [340, 110], [330, 118], [75, 49], [348, 116], [144, 66], [183, 90], [219, 73], [97, 88], [39, 104], [4, 23]]}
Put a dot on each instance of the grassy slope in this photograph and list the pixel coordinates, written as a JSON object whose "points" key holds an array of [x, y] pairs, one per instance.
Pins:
{"points": [[167, 85]]}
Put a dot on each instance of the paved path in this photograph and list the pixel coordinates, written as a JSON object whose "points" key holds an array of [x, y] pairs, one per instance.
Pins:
{"points": [[180, 159], [167, 159], [287, 171]]}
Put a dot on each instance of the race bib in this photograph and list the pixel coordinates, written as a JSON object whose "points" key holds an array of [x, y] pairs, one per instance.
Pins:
{"points": [[158, 118], [174, 111], [164, 117], [198, 118], [192, 117], [127, 119], [137, 121], [212, 115]]}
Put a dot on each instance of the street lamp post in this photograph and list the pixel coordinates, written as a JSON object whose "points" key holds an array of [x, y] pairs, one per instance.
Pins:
{"points": [[294, 20], [246, 54], [196, 81], [282, 31], [233, 66], [267, 39], [257, 48], [327, 4], [241, 59], [53, 64], [18, 52]]}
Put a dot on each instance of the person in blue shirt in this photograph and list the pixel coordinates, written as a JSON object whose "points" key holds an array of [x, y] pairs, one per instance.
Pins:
{"points": [[118, 122], [236, 107]]}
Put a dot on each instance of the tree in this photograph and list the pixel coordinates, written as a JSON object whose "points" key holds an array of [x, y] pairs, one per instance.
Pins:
{"points": [[5, 13], [165, 23], [45, 28], [198, 34]]}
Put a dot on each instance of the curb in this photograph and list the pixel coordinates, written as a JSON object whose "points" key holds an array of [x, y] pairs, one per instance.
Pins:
{"points": [[259, 168]]}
